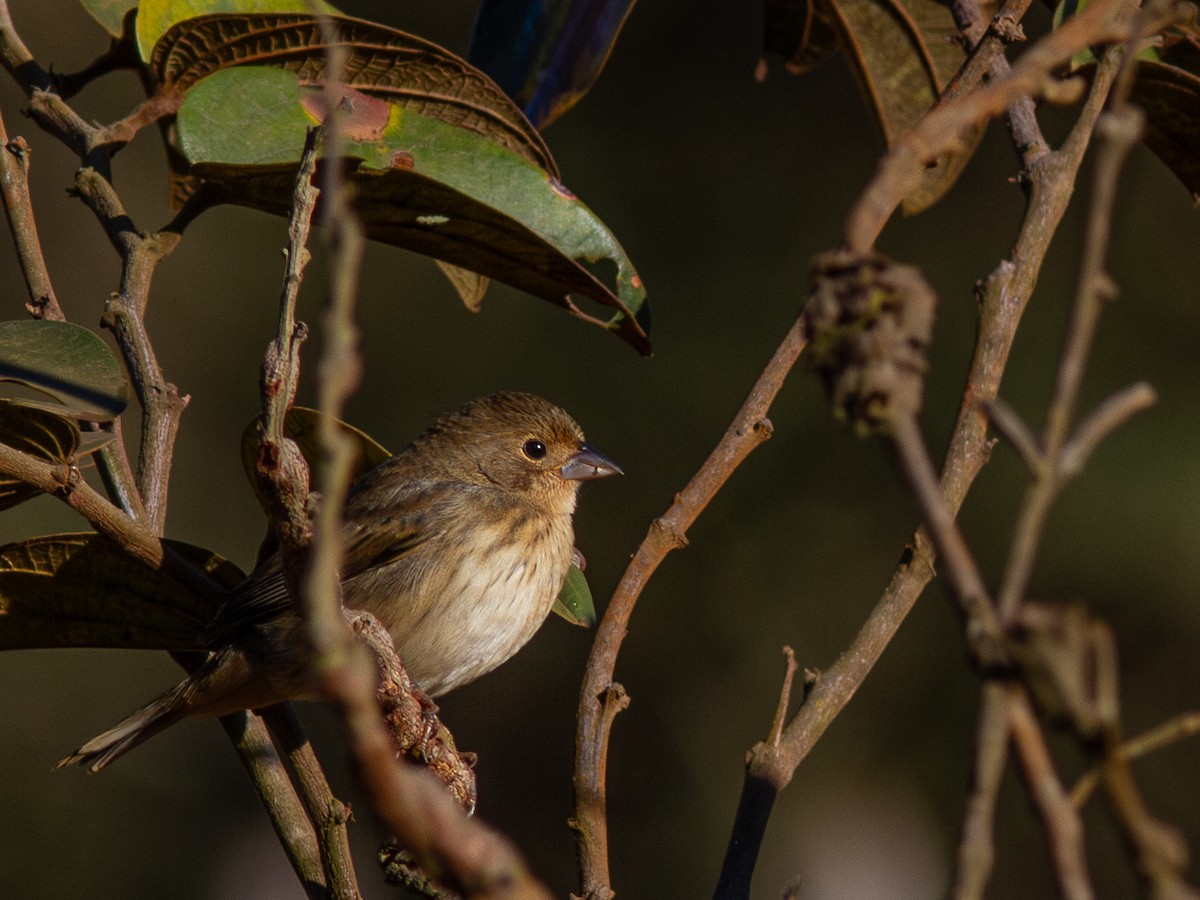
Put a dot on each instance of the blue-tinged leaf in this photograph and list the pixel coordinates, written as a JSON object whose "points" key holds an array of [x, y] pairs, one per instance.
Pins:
{"points": [[546, 54]]}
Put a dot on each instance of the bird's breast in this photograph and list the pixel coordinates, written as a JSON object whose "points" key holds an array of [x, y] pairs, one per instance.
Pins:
{"points": [[469, 601]]}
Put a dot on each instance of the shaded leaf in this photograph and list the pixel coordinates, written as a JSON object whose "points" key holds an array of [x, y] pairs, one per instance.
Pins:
{"points": [[1171, 98], [109, 13], [38, 432], [67, 362], [156, 17], [470, 286], [300, 423], [574, 602], [546, 54], [81, 590], [424, 185], [903, 54]]}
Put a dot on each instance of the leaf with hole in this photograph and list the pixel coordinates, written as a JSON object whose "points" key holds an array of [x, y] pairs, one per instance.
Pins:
{"points": [[69, 363], [82, 590]]}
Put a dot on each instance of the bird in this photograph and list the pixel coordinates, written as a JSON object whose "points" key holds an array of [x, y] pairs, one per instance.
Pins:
{"points": [[458, 545]]}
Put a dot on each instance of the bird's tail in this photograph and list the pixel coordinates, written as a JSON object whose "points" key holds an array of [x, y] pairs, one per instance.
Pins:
{"points": [[160, 713]]}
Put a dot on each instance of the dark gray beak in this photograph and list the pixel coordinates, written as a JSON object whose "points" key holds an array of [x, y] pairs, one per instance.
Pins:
{"points": [[587, 464]]}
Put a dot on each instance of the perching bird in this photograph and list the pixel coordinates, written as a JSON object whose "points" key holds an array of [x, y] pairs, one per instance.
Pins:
{"points": [[458, 546]]}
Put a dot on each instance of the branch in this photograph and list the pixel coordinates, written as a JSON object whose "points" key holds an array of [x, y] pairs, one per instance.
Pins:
{"points": [[600, 698], [14, 183], [1003, 297], [939, 131]]}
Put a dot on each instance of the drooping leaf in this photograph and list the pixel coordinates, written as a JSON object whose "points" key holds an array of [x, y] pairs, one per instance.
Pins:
{"points": [[423, 184], [155, 17], [109, 13], [470, 286], [903, 54], [67, 362], [546, 54], [81, 590], [1171, 98], [38, 432], [1167, 87], [574, 602], [301, 425]]}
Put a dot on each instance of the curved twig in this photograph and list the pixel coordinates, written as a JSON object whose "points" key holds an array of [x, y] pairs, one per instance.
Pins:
{"points": [[600, 698]]}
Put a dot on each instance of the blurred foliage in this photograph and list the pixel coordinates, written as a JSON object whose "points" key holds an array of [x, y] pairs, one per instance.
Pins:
{"points": [[723, 203]]}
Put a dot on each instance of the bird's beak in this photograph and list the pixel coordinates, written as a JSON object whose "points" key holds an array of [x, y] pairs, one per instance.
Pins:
{"points": [[587, 464]]}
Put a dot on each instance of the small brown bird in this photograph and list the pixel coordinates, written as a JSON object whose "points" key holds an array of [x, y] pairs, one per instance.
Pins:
{"points": [[458, 546]]}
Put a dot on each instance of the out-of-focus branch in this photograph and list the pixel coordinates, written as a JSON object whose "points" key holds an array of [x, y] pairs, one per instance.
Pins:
{"points": [[600, 698], [422, 815]]}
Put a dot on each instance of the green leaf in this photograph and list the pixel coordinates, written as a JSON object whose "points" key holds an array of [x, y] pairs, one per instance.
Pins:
{"points": [[421, 184], [155, 17], [574, 601], [109, 13], [81, 590], [38, 432], [446, 164], [67, 362], [300, 423]]}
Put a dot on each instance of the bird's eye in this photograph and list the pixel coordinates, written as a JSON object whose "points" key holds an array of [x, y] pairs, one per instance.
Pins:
{"points": [[534, 449]]}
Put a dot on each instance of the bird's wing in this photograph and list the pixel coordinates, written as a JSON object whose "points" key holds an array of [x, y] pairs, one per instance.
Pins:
{"points": [[373, 537]]}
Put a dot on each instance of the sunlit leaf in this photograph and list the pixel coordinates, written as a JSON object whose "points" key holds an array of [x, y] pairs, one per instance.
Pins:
{"points": [[301, 425], [109, 13], [48, 436], [81, 590], [423, 184], [155, 17], [546, 54], [66, 362], [381, 62], [574, 602]]}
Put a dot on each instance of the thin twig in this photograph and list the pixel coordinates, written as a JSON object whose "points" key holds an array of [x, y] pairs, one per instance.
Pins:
{"points": [[903, 165], [292, 822], [1093, 291], [14, 182], [976, 852], [417, 808], [1180, 727], [749, 429], [1064, 831]]}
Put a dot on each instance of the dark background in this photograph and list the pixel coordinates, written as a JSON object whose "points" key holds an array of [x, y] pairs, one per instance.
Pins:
{"points": [[721, 190]]}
